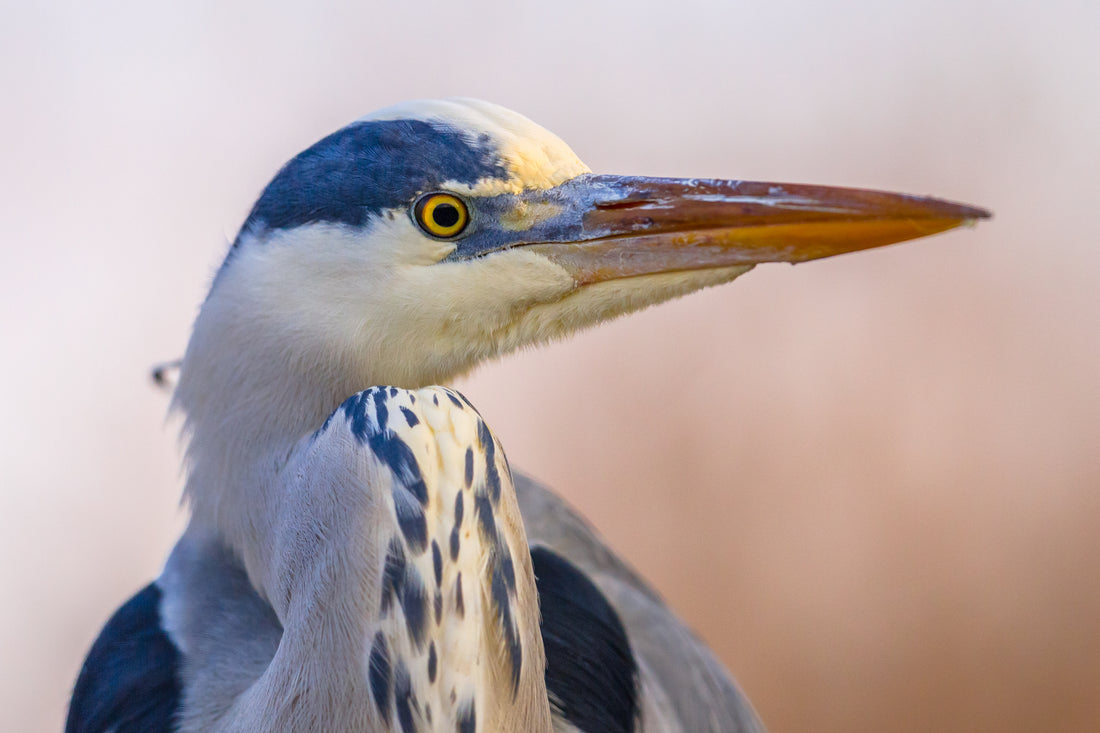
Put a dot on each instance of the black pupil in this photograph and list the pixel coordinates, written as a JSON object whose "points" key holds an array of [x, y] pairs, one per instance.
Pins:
{"points": [[445, 215]]}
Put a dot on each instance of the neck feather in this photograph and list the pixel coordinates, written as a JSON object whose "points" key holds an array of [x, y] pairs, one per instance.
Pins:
{"points": [[249, 394]]}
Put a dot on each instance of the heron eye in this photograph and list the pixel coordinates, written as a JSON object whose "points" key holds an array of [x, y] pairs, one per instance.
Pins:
{"points": [[441, 215]]}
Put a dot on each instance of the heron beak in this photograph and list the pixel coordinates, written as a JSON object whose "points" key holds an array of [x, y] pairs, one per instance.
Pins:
{"points": [[618, 226]]}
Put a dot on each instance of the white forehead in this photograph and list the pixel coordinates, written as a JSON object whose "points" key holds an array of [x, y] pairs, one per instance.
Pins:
{"points": [[535, 157]]}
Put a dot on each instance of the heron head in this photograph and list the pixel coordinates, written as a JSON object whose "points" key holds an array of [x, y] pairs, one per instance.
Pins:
{"points": [[429, 236], [423, 239]]}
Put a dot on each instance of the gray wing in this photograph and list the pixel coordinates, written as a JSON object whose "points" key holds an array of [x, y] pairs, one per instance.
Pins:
{"points": [[682, 686], [228, 634], [129, 682]]}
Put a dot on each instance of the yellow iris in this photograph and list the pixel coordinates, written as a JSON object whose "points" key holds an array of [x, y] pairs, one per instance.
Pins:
{"points": [[441, 215]]}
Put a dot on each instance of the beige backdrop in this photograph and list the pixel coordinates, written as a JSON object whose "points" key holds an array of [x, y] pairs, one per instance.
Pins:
{"points": [[871, 483]]}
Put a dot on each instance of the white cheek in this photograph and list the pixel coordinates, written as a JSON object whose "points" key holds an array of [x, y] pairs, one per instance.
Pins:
{"points": [[463, 308], [385, 296], [383, 304]]}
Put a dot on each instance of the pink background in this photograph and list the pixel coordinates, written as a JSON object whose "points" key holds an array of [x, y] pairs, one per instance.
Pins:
{"points": [[871, 483]]}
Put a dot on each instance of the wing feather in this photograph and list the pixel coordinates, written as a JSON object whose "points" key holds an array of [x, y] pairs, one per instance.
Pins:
{"points": [[129, 682], [683, 687]]}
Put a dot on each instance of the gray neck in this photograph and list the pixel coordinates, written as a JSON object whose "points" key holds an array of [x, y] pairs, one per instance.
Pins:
{"points": [[248, 397]]}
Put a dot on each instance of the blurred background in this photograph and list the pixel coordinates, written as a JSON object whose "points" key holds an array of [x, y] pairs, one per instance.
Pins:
{"points": [[876, 490]]}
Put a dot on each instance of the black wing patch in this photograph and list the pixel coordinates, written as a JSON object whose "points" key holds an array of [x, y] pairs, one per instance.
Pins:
{"points": [[130, 680], [591, 673]]}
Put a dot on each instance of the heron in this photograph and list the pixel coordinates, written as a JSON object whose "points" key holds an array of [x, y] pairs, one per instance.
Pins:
{"points": [[359, 555]]}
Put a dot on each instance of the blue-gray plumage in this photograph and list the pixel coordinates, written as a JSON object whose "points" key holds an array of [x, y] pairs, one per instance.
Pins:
{"points": [[358, 556], [130, 681], [381, 681], [367, 168], [591, 673]]}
